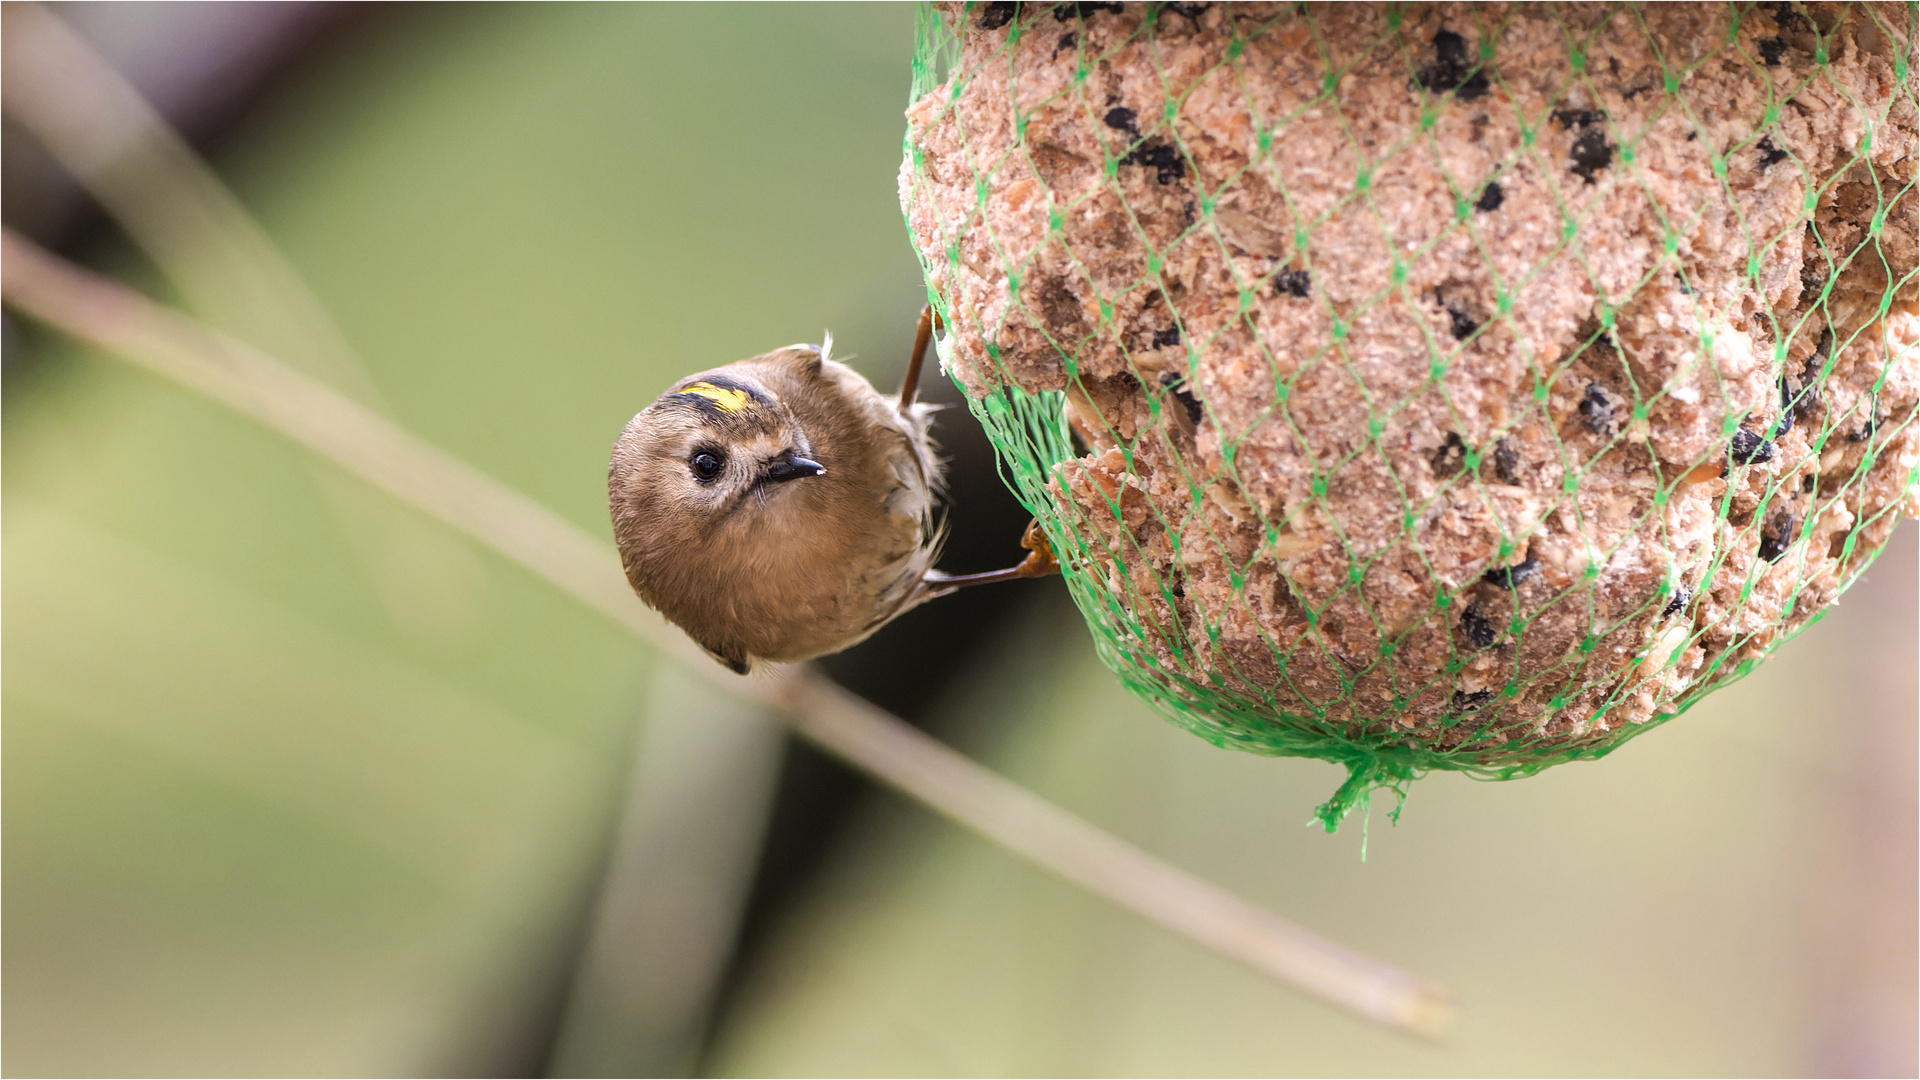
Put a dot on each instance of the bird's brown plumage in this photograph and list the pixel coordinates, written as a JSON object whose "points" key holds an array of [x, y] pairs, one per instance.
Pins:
{"points": [[757, 569]]}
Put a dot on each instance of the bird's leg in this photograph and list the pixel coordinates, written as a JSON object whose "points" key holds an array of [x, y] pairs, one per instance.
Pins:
{"points": [[922, 337], [1038, 563]]}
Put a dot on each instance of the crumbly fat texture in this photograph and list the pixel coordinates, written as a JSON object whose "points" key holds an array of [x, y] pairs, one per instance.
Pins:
{"points": [[1417, 425]]}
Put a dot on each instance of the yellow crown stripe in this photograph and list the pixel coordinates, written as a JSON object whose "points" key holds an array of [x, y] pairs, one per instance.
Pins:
{"points": [[730, 400]]}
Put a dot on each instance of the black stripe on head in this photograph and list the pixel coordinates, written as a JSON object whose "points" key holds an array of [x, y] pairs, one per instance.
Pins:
{"points": [[717, 395]]}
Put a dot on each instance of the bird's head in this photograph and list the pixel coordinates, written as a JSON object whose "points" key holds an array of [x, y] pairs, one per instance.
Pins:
{"points": [[707, 483]]}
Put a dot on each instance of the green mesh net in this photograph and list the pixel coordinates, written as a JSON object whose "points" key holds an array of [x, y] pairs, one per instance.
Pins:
{"points": [[1431, 386]]}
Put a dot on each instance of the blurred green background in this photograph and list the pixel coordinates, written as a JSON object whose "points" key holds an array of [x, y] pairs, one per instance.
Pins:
{"points": [[298, 782]]}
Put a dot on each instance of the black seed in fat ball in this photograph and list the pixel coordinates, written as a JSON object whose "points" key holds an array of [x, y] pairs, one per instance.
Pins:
{"points": [[1163, 159], [1063, 12], [1453, 69], [997, 14], [1506, 463], [1777, 535], [1596, 409], [1460, 323], [1591, 153], [1682, 596], [1467, 702], [1749, 449], [1479, 630], [1506, 577], [1450, 457]]}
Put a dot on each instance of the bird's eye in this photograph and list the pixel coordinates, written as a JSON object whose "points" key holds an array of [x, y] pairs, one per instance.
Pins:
{"points": [[706, 465]]}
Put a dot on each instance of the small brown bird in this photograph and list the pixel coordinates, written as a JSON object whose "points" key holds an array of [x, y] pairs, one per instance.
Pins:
{"points": [[780, 508]]}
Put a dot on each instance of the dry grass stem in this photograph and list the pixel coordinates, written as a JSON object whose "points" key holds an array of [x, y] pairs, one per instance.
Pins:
{"points": [[114, 143], [379, 451]]}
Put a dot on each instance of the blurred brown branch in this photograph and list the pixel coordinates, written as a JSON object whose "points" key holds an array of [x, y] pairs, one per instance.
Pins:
{"points": [[379, 451], [227, 273], [170, 202]]}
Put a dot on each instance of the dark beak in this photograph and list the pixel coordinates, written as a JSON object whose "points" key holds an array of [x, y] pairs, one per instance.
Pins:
{"points": [[791, 466]]}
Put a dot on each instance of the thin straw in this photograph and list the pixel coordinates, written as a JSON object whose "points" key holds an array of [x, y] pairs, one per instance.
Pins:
{"points": [[379, 451]]}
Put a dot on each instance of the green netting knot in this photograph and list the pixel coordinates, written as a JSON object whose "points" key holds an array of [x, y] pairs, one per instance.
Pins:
{"points": [[1367, 772]]}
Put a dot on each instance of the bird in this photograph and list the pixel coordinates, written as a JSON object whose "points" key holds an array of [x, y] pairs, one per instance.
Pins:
{"points": [[779, 508]]}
